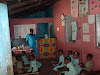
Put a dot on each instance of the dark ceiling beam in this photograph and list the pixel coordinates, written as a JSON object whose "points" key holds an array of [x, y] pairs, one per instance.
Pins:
{"points": [[28, 7], [33, 9], [20, 4]]}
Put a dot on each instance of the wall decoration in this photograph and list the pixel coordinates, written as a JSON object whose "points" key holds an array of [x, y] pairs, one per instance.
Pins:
{"points": [[83, 8], [74, 8], [91, 19], [47, 48], [85, 28], [20, 31], [58, 29], [94, 6], [63, 19], [74, 30], [86, 38]]}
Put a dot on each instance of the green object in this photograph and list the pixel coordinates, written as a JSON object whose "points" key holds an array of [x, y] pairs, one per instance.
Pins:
{"points": [[95, 6]]}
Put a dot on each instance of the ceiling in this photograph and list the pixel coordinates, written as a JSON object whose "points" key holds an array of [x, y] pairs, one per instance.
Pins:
{"points": [[23, 8]]}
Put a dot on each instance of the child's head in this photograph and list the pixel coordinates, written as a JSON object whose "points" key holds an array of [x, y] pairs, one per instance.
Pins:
{"points": [[83, 72], [76, 55], [70, 52], [32, 57], [19, 58], [89, 57], [67, 59], [23, 53], [60, 52], [32, 52]]}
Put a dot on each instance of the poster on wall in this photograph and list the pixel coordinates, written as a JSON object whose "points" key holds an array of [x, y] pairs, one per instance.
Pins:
{"points": [[74, 30], [85, 28], [83, 8], [86, 38], [91, 19], [20, 31], [74, 8]]}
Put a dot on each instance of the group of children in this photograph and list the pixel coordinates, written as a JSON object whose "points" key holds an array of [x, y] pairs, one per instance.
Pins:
{"points": [[71, 63], [25, 63]]}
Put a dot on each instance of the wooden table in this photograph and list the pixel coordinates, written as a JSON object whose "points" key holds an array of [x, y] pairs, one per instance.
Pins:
{"points": [[18, 51]]}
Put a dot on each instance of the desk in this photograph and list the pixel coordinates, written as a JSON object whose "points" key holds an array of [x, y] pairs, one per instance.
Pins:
{"points": [[18, 51]]}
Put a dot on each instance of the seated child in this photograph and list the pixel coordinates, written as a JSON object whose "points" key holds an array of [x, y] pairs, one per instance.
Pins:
{"points": [[14, 59], [69, 67], [38, 63], [33, 65], [61, 60], [19, 64], [75, 62], [88, 64], [70, 54], [83, 72], [24, 58]]}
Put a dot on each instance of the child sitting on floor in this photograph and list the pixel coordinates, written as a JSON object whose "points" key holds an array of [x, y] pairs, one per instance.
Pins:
{"points": [[19, 64], [88, 65], [61, 60], [70, 54], [75, 61], [33, 65], [38, 63], [69, 67], [24, 58]]}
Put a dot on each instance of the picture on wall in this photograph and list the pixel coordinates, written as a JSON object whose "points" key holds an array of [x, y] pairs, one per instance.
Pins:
{"points": [[83, 8], [74, 8], [20, 31]]}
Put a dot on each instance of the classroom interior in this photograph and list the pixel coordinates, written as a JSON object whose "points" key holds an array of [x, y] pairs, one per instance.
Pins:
{"points": [[68, 24]]}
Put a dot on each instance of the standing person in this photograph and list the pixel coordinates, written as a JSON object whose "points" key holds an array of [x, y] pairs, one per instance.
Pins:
{"points": [[31, 40]]}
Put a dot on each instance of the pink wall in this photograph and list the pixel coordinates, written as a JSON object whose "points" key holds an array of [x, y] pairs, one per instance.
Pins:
{"points": [[27, 21], [63, 6]]}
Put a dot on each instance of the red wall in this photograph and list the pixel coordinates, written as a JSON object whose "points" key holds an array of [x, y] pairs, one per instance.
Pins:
{"points": [[27, 21], [63, 6]]}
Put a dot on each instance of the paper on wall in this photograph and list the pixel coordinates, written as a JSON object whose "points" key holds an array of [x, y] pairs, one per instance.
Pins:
{"points": [[86, 38], [83, 8], [91, 19], [74, 8], [74, 30], [85, 28], [20, 31]]}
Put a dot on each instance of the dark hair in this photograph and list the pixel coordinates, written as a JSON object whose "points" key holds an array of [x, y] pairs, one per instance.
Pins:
{"points": [[32, 56], [70, 51], [68, 58], [83, 71], [23, 52], [90, 55], [32, 50], [12, 53], [78, 54], [31, 29], [18, 57], [61, 50]]}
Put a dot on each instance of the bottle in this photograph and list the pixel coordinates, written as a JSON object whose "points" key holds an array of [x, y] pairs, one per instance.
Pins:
{"points": [[18, 47]]}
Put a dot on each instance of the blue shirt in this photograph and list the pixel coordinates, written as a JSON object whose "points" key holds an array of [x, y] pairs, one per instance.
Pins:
{"points": [[32, 40]]}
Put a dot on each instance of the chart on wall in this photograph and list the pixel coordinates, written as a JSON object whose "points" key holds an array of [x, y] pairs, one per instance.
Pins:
{"points": [[74, 30], [74, 8], [20, 31], [83, 8], [94, 6]]}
